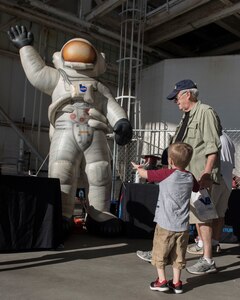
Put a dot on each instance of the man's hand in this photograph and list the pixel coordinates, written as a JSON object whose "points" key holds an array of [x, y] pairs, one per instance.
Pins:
{"points": [[206, 181], [123, 132], [20, 37]]}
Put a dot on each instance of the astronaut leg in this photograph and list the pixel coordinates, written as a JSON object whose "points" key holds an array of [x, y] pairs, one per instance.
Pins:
{"points": [[64, 161], [98, 169]]}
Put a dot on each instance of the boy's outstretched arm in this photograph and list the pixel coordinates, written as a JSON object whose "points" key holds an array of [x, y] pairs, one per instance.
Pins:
{"points": [[140, 170]]}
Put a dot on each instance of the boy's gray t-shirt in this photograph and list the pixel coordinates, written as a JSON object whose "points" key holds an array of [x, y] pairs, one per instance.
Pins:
{"points": [[175, 188]]}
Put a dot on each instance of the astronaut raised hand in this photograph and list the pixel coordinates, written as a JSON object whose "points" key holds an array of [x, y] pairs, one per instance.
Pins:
{"points": [[20, 37], [123, 132]]}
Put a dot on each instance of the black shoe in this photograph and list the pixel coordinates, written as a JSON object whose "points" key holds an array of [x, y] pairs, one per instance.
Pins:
{"points": [[159, 286], [176, 288]]}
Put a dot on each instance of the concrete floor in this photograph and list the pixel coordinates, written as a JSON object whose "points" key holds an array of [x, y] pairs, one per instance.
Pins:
{"points": [[92, 268]]}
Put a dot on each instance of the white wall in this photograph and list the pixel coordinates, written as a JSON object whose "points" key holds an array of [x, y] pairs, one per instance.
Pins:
{"points": [[218, 80]]}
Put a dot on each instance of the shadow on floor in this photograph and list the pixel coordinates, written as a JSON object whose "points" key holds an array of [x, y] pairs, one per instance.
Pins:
{"points": [[78, 247]]}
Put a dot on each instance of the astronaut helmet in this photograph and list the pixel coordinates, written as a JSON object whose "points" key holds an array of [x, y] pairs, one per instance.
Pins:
{"points": [[80, 55]]}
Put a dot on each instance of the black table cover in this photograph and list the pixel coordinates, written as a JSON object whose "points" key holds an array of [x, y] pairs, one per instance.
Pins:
{"points": [[30, 213], [137, 207]]}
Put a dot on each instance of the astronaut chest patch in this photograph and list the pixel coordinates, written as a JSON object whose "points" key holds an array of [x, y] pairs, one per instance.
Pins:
{"points": [[83, 90]]}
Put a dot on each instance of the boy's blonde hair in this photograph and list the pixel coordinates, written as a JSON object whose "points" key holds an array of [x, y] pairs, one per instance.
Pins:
{"points": [[180, 153]]}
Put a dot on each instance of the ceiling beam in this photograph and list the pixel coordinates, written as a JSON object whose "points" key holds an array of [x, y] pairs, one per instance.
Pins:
{"points": [[90, 27], [179, 51], [229, 2], [228, 49], [98, 2], [39, 18], [176, 28], [175, 8], [7, 24], [226, 2], [233, 29], [103, 9], [73, 25]]}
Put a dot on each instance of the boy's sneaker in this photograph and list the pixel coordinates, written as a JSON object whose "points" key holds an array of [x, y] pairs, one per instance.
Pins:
{"points": [[176, 288], [159, 286], [202, 267], [145, 255], [195, 249]]}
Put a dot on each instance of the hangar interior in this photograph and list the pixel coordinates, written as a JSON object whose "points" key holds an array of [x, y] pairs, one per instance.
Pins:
{"points": [[135, 35], [149, 45]]}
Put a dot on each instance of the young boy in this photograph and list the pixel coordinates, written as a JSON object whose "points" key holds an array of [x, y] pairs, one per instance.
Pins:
{"points": [[171, 215]]}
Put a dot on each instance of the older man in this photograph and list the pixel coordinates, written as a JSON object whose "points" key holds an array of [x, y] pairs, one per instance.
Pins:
{"points": [[200, 127]]}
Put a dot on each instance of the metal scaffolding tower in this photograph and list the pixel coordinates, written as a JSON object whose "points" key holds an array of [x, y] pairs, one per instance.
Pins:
{"points": [[130, 62], [130, 58]]}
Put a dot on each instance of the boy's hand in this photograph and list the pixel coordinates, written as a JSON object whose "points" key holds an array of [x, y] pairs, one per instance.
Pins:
{"points": [[135, 166], [140, 170]]}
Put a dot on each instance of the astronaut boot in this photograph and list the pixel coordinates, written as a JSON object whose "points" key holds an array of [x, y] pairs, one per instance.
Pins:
{"points": [[103, 223]]}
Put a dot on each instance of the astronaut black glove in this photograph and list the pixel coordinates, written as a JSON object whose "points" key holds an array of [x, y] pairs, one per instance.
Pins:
{"points": [[20, 37], [123, 132]]}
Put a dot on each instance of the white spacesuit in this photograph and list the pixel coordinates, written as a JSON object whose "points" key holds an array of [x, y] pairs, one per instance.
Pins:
{"points": [[79, 117]]}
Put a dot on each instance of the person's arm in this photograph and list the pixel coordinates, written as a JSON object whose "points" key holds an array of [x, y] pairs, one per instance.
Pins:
{"points": [[158, 175], [140, 170], [206, 179], [210, 132], [142, 173], [152, 175], [209, 128], [196, 185], [211, 160]]}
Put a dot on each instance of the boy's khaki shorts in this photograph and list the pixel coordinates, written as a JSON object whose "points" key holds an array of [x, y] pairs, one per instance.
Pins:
{"points": [[219, 194], [169, 247]]}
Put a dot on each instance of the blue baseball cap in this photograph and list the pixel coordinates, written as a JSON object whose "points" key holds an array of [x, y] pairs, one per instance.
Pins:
{"points": [[180, 86]]}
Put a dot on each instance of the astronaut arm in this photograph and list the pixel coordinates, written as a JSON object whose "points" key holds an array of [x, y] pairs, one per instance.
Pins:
{"points": [[114, 111], [117, 118], [42, 77]]}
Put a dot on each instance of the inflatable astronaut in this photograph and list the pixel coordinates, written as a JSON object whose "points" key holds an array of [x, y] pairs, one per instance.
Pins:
{"points": [[79, 120]]}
